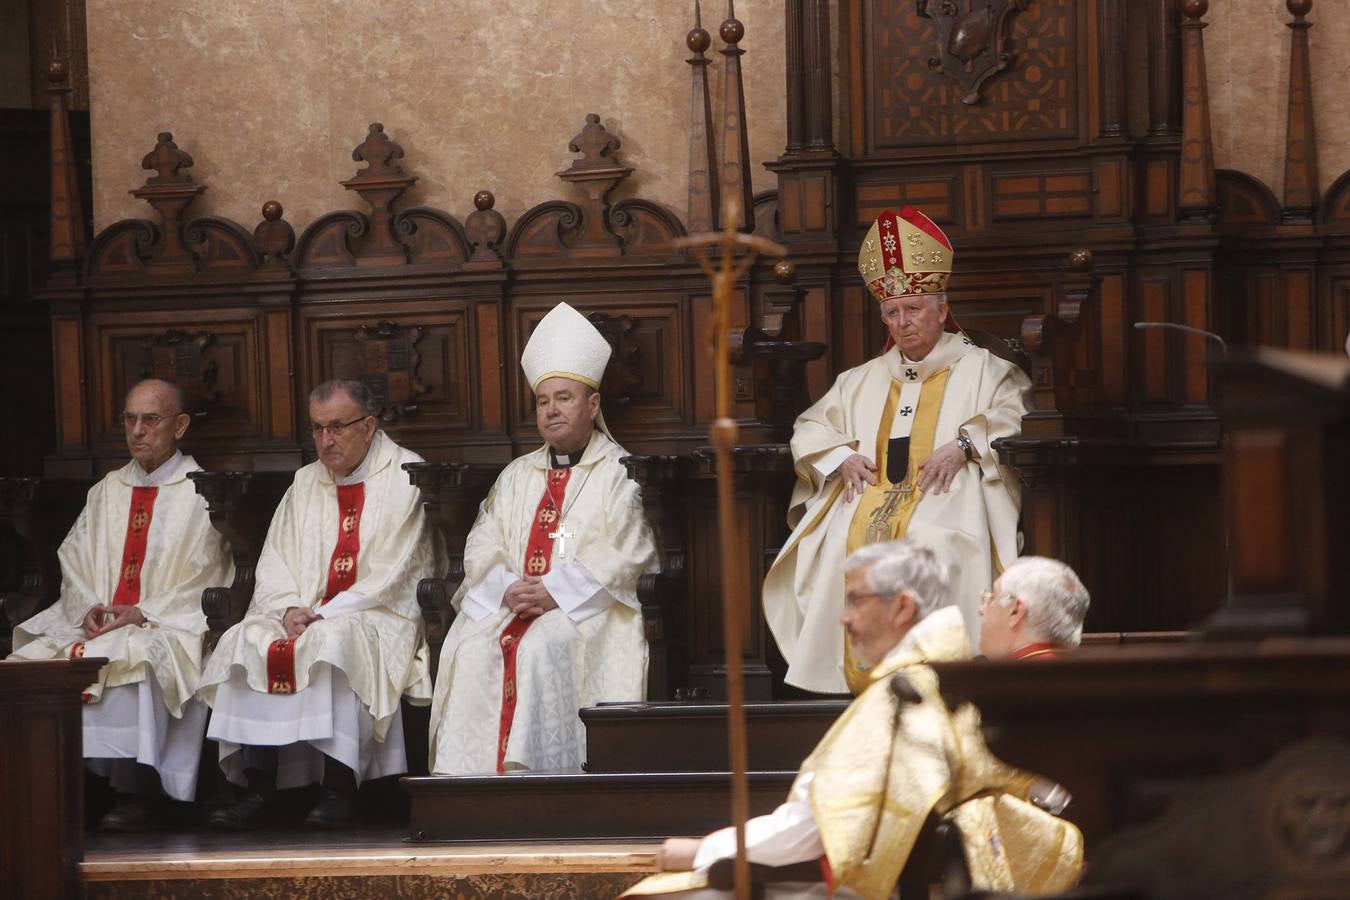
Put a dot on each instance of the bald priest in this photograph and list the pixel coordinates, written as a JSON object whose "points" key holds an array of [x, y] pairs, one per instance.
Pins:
{"points": [[307, 687], [548, 617], [133, 569]]}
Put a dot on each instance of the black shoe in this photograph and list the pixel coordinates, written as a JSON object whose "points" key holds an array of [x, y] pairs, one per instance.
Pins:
{"points": [[130, 814], [335, 809], [243, 816]]}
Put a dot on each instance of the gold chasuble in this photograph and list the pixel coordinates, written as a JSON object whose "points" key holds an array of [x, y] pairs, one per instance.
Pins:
{"points": [[896, 412]]}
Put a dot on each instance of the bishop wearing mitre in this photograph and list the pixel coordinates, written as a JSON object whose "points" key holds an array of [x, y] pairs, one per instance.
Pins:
{"points": [[548, 619], [307, 687], [901, 446]]}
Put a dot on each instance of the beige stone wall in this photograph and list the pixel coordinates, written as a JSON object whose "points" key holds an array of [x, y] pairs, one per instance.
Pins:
{"points": [[1247, 52], [270, 98]]}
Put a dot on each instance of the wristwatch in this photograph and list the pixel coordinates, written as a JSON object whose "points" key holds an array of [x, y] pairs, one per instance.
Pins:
{"points": [[966, 446]]}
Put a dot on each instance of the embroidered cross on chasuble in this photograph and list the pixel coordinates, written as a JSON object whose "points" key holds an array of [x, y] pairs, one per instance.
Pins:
{"points": [[341, 576], [128, 590], [546, 526]]}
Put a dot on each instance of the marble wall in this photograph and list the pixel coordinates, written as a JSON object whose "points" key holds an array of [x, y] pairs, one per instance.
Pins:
{"points": [[1247, 54], [270, 98]]}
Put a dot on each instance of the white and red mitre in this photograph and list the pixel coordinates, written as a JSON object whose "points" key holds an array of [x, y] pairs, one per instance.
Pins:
{"points": [[905, 253]]}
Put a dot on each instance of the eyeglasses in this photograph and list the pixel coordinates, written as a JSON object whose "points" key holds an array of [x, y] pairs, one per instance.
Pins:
{"points": [[149, 420], [853, 600], [336, 428], [989, 597]]}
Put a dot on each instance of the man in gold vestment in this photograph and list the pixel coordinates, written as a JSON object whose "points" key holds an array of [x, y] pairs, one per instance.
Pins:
{"points": [[864, 793], [899, 447]]}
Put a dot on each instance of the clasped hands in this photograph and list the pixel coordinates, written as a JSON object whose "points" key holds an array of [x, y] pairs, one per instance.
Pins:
{"points": [[528, 598], [103, 618], [936, 472], [296, 619]]}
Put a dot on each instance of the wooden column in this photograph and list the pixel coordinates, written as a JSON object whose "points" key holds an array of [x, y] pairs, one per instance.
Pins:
{"points": [[795, 51], [1196, 198], [1112, 75], [1300, 141], [1162, 69], [42, 779], [819, 76], [67, 240]]}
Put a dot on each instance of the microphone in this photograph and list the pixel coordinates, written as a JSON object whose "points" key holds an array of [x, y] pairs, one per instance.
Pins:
{"points": [[1223, 345]]}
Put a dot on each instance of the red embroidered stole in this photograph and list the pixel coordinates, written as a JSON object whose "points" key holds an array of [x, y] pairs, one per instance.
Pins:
{"points": [[1037, 651], [341, 576], [538, 560], [128, 590]]}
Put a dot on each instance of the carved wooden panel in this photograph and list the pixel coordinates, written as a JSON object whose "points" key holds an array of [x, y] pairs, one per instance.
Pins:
{"points": [[217, 353], [414, 356], [936, 194], [1058, 194], [653, 367], [911, 105]]}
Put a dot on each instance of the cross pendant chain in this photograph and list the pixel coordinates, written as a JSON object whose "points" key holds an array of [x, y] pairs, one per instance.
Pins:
{"points": [[560, 539]]}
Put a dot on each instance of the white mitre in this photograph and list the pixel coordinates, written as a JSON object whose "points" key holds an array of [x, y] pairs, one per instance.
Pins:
{"points": [[565, 345]]}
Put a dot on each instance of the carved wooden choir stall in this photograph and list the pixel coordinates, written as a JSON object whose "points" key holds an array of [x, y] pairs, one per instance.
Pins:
{"points": [[1073, 171]]}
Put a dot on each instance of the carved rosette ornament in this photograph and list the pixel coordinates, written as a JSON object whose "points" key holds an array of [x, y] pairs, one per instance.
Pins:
{"points": [[972, 42], [389, 362]]}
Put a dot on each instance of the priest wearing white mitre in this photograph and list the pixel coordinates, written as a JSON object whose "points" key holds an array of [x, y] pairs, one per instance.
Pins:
{"points": [[548, 616], [899, 447], [133, 569], [307, 687]]}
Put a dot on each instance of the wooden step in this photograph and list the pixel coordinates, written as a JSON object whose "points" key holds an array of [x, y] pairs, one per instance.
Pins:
{"points": [[597, 806], [692, 737]]}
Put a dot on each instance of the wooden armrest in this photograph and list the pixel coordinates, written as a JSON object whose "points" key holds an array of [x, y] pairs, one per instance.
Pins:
{"points": [[722, 873]]}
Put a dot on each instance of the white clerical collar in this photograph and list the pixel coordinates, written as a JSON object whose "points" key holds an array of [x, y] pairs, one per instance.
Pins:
{"points": [[362, 472], [558, 460], [949, 348], [162, 474]]}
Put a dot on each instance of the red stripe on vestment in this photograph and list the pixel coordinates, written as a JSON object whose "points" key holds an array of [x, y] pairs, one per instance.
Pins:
{"points": [[538, 560], [351, 499], [128, 592]]}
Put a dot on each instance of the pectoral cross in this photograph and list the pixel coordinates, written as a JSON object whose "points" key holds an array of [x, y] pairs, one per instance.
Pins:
{"points": [[560, 539]]}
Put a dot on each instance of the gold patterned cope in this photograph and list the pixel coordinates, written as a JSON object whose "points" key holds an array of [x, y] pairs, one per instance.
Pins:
{"points": [[869, 805], [905, 253]]}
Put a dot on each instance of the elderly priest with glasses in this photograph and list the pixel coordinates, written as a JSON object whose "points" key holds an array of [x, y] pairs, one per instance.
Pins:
{"points": [[888, 765], [133, 569], [307, 687], [548, 616]]}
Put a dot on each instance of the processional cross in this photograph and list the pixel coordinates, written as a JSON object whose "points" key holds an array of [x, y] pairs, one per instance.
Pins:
{"points": [[724, 275]]}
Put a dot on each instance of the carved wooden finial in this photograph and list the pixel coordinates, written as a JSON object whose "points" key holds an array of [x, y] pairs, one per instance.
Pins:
{"points": [[1299, 8], [484, 200], [484, 228], [594, 144], [785, 271], [378, 152], [698, 39], [732, 29], [274, 237], [1194, 9], [166, 160]]}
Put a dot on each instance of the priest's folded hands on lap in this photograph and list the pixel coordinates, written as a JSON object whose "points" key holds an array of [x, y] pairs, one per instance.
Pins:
{"points": [[103, 618], [528, 598]]}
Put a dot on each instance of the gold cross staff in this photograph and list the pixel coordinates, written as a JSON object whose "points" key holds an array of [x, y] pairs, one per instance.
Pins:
{"points": [[723, 433]]}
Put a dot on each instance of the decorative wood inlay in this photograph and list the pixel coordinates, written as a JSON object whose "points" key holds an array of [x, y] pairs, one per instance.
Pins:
{"points": [[1041, 195], [936, 196], [490, 366], [972, 46], [1195, 295], [68, 344], [180, 357], [1300, 143], [912, 105], [389, 362], [279, 374]]}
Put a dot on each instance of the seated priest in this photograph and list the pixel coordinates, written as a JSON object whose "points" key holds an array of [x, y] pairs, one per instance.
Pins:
{"points": [[133, 569], [548, 617], [865, 792], [1035, 611], [307, 687], [899, 447]]}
